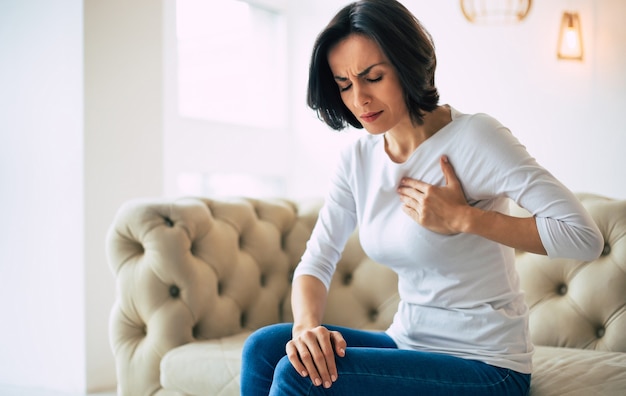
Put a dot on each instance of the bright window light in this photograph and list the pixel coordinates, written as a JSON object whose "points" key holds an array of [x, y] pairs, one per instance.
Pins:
{"points": [[230, 184], [231, 63]]}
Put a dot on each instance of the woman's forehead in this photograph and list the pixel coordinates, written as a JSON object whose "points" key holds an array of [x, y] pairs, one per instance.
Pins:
{"points": [[355, 54]]}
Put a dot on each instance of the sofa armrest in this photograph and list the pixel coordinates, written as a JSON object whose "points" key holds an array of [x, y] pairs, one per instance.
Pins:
{"points": [[195, 269]]}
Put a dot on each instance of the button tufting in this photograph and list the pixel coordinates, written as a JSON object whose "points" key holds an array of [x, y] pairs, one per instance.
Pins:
{"points": [[600, 332], [168, 222], [373, 315], [607, 249], [263, 280], [562, 290], [174, 291], [347, 279]]}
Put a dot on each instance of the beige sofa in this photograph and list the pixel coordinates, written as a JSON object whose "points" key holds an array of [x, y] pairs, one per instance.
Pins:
{"points": [[195, 276]]}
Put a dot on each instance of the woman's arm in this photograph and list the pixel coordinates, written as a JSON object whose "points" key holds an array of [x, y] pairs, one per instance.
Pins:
{"points": [[560, 228], [445, 210], [308, 302], [312, 348], [519, 233]]}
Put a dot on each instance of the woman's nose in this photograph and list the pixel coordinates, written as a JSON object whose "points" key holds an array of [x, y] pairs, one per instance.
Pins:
{"points": [[361, 96]]}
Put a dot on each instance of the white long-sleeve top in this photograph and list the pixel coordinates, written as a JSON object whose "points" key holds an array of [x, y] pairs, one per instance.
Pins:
{"points": [[459, 294]]}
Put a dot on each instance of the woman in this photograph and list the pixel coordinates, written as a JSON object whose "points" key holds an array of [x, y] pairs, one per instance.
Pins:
{"points": [[428, 188]]}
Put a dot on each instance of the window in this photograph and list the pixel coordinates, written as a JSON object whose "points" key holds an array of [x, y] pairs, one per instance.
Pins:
{"points": [[231, 63]]}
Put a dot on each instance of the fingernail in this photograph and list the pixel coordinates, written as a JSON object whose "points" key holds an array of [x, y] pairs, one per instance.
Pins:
{"points": [[303, 373], [318, 382], [326, 384], [333, 378]]}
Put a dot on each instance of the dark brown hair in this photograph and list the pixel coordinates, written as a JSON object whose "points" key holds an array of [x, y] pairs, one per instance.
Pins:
{"points": [[403, 40]]}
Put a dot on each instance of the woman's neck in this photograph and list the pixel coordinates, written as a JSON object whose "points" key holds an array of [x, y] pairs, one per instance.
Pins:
{"points": [[401, 142]]}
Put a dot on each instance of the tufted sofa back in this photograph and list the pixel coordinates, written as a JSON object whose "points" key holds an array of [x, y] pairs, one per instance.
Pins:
{"points": [[195, 269], [579, 304]]}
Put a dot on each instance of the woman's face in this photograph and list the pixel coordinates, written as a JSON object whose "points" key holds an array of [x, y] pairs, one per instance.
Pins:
{"points": [[368, 84]]}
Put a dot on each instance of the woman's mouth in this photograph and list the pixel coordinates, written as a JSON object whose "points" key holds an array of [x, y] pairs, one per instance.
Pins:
{"points": [[370, 117]]}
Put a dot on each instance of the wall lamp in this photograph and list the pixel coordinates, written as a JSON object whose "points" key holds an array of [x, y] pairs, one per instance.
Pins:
{"points": [[570, 44]]}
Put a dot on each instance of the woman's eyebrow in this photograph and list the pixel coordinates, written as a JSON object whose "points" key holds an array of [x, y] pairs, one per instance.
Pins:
{"points": [[367, 70], [361, 74]]}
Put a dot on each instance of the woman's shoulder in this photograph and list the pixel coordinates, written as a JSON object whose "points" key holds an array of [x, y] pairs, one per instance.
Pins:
{"points": [[480, 126], [364, 145], [477, 120]]}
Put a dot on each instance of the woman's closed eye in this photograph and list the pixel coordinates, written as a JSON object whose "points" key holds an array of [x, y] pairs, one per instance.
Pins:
{"points": [[344, 88], [369, 80]]}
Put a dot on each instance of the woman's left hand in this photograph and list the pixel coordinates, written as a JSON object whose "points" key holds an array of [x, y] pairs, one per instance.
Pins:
{"points": [[440, 209]]}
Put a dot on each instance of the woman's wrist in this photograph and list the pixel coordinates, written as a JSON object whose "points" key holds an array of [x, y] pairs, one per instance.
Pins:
{"points": [[469, 219], [300, 326]]}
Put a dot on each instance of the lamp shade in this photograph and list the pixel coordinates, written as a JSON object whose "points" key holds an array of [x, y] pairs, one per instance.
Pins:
{"points": [[495, 11], [570, 44]]}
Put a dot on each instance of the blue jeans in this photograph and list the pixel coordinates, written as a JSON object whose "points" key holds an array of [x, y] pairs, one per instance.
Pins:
{"points": [[372, 365]]}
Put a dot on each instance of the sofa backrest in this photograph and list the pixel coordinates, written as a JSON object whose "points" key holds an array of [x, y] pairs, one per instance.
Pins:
{"points": [[579, 304], [195, 269]]}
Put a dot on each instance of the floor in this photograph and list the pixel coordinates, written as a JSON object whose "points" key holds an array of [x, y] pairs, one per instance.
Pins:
{"points": [[13, 391]]}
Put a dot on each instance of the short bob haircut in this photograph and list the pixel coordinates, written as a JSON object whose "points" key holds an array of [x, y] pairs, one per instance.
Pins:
{"points": [[403, 40]]}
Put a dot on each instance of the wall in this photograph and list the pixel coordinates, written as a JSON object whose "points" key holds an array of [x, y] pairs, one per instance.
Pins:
{"points": [[123, 145], [201, 147], [41, 178], [80, 133]]}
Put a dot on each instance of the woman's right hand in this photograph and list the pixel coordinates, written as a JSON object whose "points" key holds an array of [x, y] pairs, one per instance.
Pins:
{"points": [[312, 351]]}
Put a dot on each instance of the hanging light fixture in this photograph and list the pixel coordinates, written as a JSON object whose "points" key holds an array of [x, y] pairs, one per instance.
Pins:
{"points": [[495, 11], [570, 37]]}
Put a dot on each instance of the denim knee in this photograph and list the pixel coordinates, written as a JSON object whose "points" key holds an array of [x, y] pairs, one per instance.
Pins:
{"points": [[287, 381], [273, 337], [253, 343], [285, 372]]}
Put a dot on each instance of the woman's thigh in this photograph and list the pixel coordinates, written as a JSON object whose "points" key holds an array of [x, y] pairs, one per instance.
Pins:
{"points": [[372, 366], [384, 371]]}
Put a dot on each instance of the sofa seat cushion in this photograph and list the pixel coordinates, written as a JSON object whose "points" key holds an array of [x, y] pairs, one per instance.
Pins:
{"points": [[205, 367], [577, 372]]}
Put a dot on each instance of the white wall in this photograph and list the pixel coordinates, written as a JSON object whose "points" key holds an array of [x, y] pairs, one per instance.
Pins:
{"points": [[123, 145], [196, 146], [42, 339], [80, 133]]}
